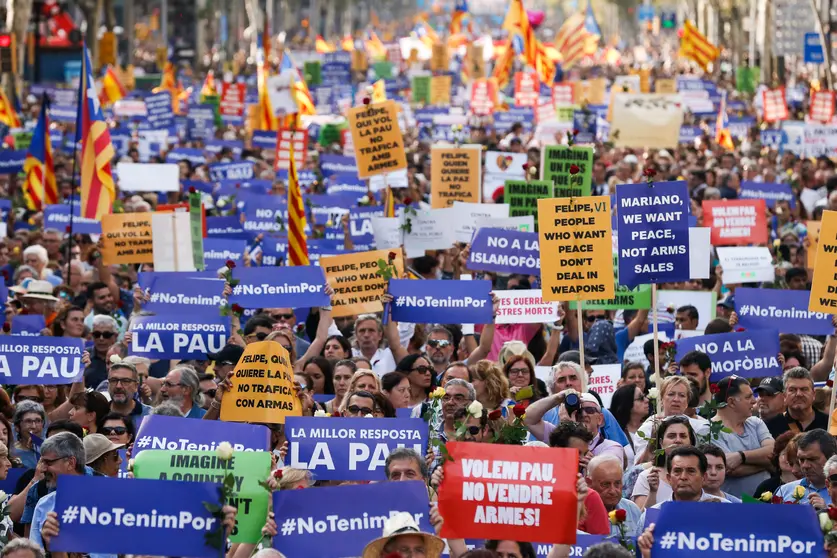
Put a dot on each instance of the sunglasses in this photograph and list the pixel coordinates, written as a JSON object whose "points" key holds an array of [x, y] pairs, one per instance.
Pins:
{"points": [[422, 369], [591, 319], [832, 479], [118, 430], [473, 430], [590, 410], [210, 393], [438, 343], [102, 334], [354, 409], [261, 336], [282, 316]]}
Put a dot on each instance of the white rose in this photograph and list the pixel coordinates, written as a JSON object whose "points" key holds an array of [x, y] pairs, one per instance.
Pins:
{"points": [[368, 416], [475, 409], [3, 496], [222, 271], [319, 413], [224, 451], [825, 523], [653, 393], [115, 358], [364, 199], [370, 89]]}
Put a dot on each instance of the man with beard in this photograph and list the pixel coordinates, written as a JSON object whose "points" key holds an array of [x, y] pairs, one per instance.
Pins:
{"points": [[123, 383], [440, 348], [697, 365], [182, 387]]}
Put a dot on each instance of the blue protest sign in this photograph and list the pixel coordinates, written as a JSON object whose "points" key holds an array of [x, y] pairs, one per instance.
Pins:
{"points": [[228, 226], [216, 251], [8, 484], [181, 335], [28, 324], [280, 287], [761, 531], [200, 123], [121, 140], [160, 113], [215, 146], [11, 162], [505, 251], [338, 521], [58, 217], [122, 516], [243, 170], [586, 123], [193, 155], [772, 138], [360, 223], [436, 300], [325, 208], [343, 183], [770, 192], [351, 448], [751, 354], [503, 121], [335, 164], [264, 139], [653, 229], [812, 52], [783, 309], [337, 57], [5, 207], [40, 360], [63, 113], [184, 290], [336, 73], [688, 134], [174, 433], [274, 249]]}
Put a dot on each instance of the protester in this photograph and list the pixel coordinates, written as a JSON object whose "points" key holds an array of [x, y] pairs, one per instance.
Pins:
{"points": [[651, 485], [604, 475], [800, 415], [814, 448], [716, 472], [29, 420], [771, 398], [629, 406], [101, 455]]}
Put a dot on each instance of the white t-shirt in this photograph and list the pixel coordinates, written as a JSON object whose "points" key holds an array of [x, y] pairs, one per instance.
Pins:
{"points": [[382, 361], [641, 488]]}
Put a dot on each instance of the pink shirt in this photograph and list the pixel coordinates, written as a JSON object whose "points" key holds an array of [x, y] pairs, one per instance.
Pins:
{"points": [[511, 332]]}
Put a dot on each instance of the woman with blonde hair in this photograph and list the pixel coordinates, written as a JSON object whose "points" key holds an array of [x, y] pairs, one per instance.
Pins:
{"points": [[362, 380], [491, 385]]}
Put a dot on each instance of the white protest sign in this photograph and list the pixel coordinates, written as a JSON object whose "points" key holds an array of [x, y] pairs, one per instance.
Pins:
{"points": [[387, 232], [395, 179], [499, 167], [543, 372], [467, 214], [279, 92], [700, 249], [148, 177], [686, 333], [172, 241], [525, 306], [604, 381], [746, 264], [704, 301], [430, 229], [646, 120], [130, 107], [636, 350], [526, 223], [148, 138]]}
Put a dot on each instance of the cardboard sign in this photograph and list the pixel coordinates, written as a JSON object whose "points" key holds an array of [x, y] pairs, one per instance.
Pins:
{"points": [[525, 495], [824, 282], [127, 238], [483, 96], [746, 264], [359, 61], [232, 99], [439, 58], [647, 121], [735, 221], [263, 389], [591, 92], [357, 286], [665, 86], [475, 61], [440, 90], [455, 175], [284, 140], [525, 306], [377, 139], [576, 248], [813, 240], [522, 197], [526, 89], [421, 89], [557, 164]]}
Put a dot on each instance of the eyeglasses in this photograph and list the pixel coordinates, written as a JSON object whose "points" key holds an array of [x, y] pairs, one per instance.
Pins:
{"points": [[287, 348], [459, 398], [210, 393], [102, 334], [49, 462], [518, 371], [590, 410], [282, 316], [261, 336], [422, 369], [170, 385], [123, 381], [34, 398], [438, 343], [591, 319], [37, 420], [354, 410], [641, 398], [118, 430], [832, 479]]}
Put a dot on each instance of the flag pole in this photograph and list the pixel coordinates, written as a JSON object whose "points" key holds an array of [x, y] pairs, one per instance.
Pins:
{"points": [[72, 204]]}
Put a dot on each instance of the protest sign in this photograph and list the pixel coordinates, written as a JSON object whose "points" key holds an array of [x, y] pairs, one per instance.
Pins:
{"points": [[604, 380], [750, 354], [231, 103], [653, 225], [377, 139], [429, 230], [570, 169], [647, 121], [638, 298], [467, 215], [351, 449], [524, 495], [263, 388], [522, 224], [760, 532], [500, 167], [824, 282], [455, 175], [523, 195], [126, 238], [770, 192], [231, 171], [247, 468], [704, 301], [746, 264], [102, 515], [439, 58], [40, 360], [421, 89], [338, 521], [735, 221], [483, 96], [58, 217], [440, 87], [356, 283], [525, 306], [182, 335], [176, 291], [700, 252], [526, 89], [159, 432], [505, 251], [160, 113], [172, 241], [812, 241], [665, 86], [280, 287], [285, 139], [576, 248], [28, 324], [785, 309], [217, 251], [436, 300]]}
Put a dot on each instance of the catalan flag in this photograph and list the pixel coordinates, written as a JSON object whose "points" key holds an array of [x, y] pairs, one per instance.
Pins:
{"points": [[97, 188], [209, 88], [458, 18], [322, 46], [722, 134], [348, 43], [520, 32], [544, 65], [374, 47], [379, 91], [299, 89], [8, 114], [297, 243], [571, 40], [696, 47], [40, 188], [267, 118], [389, 204], [112, 88], [503, 66]]}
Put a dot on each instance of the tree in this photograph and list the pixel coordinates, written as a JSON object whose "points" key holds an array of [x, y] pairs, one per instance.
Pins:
{"points": [[18, 14]]}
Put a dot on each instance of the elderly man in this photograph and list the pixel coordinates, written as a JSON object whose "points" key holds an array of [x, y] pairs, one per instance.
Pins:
{"points": [[22, 548], [402, 537], [815, 448], [404, 464], [182, 387], [369, 332], [123, 383], [105, 333], [604, 475], [458, 395], [799, 398]]}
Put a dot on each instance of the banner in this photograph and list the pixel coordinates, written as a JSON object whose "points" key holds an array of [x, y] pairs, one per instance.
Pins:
{"points": [[104, 515], [231, 171], [440, 301], [505, 251], [217, 251], [185, 335], [377, 139], [339, 521], [557, 165], [653, 232], [770, 192], [576, 248], [298, 139], [356, 283], [28, 324], [181, 290], [761, 531], [280, 287], [735, 221], [824, 282], [455, 175], [350, 448], [751, 354], [263, 389], [646, 121], [58, 217], [525, 306], [746, 264], [785, 309], [523, 195], [40, 360], [159, 432], [160, 113], [127, 239], [247, 468], [525, 495]]}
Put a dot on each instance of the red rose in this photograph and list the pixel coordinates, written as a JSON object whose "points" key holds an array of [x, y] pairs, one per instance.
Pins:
{"points": [[408, 201], [495, 414], [277, 474], [832, 513], [230, 264], [391, 256], [120, 304], [67, 229], [829, 383], [649, 172], [335, 414], [366, 100], [7, 327], [713, 389], [574, 169], [526, 167], [519, 410], [776, 500], [192, 190], [300, 328], [575, 131], [621, 516], [238, 185], [237, 309]]}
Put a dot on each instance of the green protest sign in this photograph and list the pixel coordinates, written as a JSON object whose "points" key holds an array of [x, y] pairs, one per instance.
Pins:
{"points": [[557, 162], [421, 89], [383, 70], [746, 79], [247, 468], [522, 197], [313, 72], [565, 113], [624, 299], [22, 140], [196, 229], [215, 101]]}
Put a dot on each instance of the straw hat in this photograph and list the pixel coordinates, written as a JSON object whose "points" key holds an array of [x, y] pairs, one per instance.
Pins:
{"points": [[40, 289], [402, 523]]}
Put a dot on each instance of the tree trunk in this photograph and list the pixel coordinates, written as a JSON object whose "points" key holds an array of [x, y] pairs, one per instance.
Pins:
{"points": [[18, 14], [110, 14], [92, 11]]}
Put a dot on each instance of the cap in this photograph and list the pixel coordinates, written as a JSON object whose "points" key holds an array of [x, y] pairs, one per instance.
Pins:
{"points": [[770, 386], [230, 353], [96, 445], [574, 356], [728, 302], [588, 398]]}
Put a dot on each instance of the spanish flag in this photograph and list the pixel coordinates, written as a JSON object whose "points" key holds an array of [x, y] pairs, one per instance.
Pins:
{"points": [[39, 188], [297, 242], [348, 43], [112, 88], [696, 47]]}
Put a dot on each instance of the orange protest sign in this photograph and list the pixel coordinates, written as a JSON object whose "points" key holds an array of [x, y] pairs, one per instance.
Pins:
{"points": [[377, 139], [525, 495], [824, 283], [455, 175], [576, 248], [811, 242], [126, 238], [439, 58], [440, 90], [357, 286], [665, 86], [263, 389]]}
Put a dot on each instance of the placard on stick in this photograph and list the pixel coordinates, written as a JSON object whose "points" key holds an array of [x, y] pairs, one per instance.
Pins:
{"points": [[357, 286], [558, 161], [377, 139], [523, 195], [127, 238], [824, 284], [455, 175]]}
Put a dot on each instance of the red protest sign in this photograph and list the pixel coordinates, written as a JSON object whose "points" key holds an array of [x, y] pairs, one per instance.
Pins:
{"points": [[232, 99], [284, 139], [494, 491], [526, 89], [483, 96], [735, 222]]}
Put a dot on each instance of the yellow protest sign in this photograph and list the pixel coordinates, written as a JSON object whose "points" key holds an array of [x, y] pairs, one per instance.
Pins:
{"points": [[440, 90], [379, 91], [359, 61], [126, 239], [665, 86], [263, 388], [590, 91], [107, 49], [824, 283], [811, 242], [475, 61], [576, 248], [377, 139], [644, 79], [455, 175], [357, 286], [439, 58]]}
